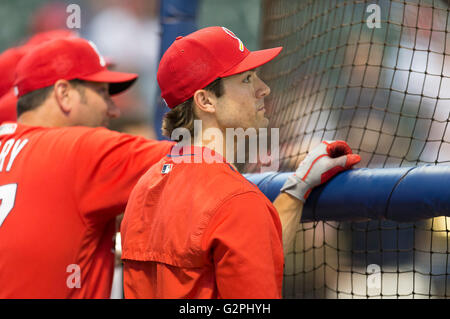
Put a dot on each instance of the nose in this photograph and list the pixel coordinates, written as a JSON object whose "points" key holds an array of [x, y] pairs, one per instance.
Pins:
{"points": [[113, 110], [263, 89]]}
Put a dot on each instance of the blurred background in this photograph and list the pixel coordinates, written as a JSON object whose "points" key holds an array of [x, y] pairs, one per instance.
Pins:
{"points": [[129, 34], [132, 35], [384, 90]]}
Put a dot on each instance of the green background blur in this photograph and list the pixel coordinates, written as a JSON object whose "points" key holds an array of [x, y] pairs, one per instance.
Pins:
{"points": [[243, 17]]}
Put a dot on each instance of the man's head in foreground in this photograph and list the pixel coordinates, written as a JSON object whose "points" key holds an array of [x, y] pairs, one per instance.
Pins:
{"points": [[210, 76], [65, 82]]}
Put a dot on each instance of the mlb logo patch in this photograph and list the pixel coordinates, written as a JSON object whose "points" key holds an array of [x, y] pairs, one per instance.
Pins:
{"points": [[166, 168]]}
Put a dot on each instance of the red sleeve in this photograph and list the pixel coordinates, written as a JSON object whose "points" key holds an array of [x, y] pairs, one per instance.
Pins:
{"points": [[109, 165], [244, 238]]}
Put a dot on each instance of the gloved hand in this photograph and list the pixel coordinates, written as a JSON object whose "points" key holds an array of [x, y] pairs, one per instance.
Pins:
{"points": [[323, 162]]}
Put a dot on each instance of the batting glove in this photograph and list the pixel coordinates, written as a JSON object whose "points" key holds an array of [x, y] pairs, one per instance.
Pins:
{"points": [[322, 163]]}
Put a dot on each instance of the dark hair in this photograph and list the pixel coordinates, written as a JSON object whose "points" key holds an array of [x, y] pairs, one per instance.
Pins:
{"points": [[183, 114], [34, 99]]}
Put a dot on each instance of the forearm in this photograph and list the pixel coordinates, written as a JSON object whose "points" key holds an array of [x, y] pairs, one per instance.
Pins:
{"points": [[290, 211], [322, 163]]}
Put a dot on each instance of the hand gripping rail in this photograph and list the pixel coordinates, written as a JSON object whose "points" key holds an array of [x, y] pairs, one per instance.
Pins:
{"points": [[404, 194]]}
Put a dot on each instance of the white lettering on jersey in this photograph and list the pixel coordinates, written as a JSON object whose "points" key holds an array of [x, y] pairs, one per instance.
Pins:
{"points": [[9, 128], [16, 148], [5, 150]]}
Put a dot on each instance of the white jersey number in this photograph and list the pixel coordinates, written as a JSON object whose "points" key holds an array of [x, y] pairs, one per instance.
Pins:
{"points": [[8, 199]]}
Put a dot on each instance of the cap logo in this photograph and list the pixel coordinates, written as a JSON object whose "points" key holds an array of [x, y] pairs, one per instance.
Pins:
{"points": [[102, 60], [231, 34]]}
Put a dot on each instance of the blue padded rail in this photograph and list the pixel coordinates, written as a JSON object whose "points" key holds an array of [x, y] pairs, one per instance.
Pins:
{"points": [[404, 194]]}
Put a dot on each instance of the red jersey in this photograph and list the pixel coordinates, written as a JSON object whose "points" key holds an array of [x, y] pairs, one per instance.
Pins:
{"points": [[60, 191], [198, 230]]}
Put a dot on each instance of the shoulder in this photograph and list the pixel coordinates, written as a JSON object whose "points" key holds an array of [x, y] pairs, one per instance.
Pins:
{"points": [[217, 178], [71, 133], [87, 132], [89, 142], [218, 186], [95, 140]]}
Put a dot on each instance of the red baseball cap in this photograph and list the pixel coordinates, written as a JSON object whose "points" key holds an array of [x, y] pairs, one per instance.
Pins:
{"points": [[45, 36], [11, 57], [8, 61], [68, 59], [194, 61]]}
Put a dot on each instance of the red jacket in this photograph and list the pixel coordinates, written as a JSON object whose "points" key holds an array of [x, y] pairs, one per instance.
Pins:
{"points": [[198, 230]]}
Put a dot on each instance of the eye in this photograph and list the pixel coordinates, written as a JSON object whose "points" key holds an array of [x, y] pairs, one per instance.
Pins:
{"points": [[247, 78]]}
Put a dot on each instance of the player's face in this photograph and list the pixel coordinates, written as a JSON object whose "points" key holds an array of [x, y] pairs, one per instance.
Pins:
{"points": [[242, 104], [96, 107]]}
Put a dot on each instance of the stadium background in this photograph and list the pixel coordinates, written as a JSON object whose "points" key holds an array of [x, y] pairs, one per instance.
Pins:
{"points": [[383, 90], [128, 32]]}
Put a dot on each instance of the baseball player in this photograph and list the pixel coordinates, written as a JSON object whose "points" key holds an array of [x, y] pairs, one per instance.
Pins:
{"points": [[61, 186], [198, 229]]}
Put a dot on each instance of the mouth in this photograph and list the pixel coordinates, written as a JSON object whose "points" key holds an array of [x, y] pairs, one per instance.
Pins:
{"points": [[260, 108]]}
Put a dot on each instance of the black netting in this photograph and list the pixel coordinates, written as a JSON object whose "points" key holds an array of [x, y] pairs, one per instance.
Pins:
{"points": [[386, 91]]}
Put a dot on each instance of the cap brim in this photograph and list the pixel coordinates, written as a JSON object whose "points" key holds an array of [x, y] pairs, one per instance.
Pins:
{"points": [[118, 81], [254, 60]]}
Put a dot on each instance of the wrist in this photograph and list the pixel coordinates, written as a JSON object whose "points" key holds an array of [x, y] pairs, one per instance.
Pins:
{"points": [[297, 188]]}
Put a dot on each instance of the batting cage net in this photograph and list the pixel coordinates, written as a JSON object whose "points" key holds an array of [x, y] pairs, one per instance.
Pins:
{"points": [[377, 75]]}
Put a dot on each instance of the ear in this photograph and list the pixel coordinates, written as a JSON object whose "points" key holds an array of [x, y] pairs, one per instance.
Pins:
{"points": [[63, 95], [205, 101]]}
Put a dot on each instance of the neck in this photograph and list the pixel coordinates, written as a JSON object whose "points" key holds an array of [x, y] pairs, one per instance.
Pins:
{"points": [[215, 139], [42, 116]]}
